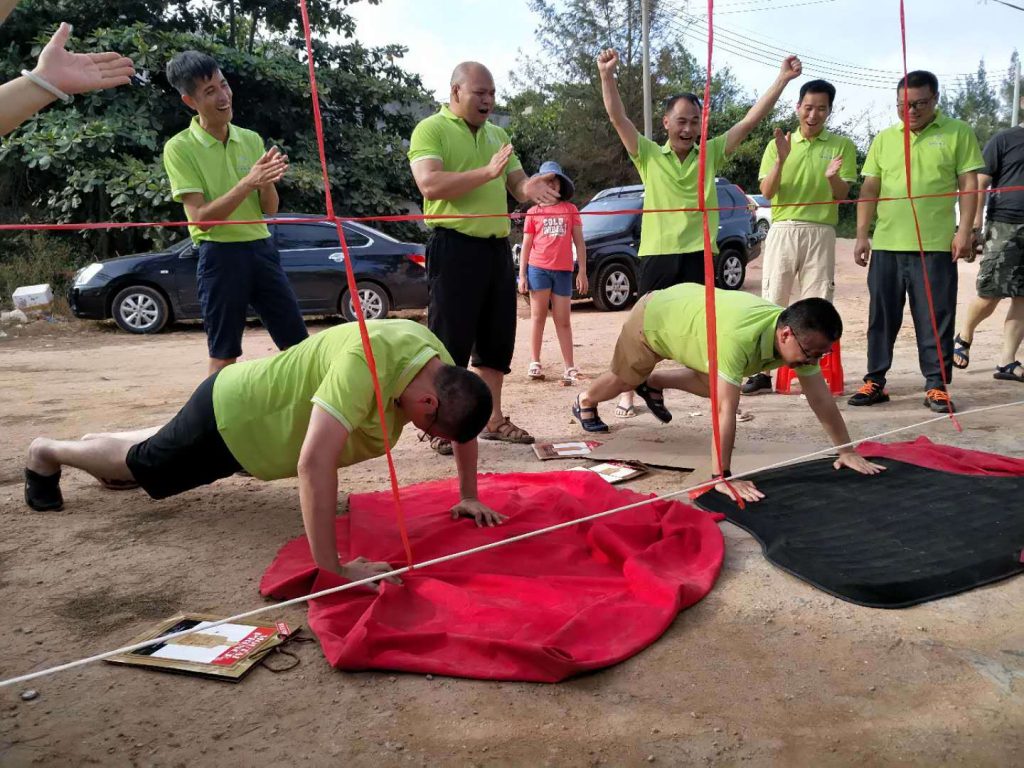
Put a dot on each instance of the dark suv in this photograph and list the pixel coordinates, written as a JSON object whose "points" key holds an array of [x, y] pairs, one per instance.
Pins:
{"points": [[612, 242]]}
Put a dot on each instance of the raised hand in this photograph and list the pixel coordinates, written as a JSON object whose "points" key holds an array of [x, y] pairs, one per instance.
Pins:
{"points": [[607, 61], [81, 72], [833, 167], [791, 69]]}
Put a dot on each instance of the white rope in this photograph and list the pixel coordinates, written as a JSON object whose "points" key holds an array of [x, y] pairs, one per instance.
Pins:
{"points": [[475, 550]]}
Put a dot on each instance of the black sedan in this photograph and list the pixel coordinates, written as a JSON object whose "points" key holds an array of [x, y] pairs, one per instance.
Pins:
{"points": [[145, 291]]}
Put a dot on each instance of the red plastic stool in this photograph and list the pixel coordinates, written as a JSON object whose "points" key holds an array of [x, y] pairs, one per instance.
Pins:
{"points": [[831, 368]]}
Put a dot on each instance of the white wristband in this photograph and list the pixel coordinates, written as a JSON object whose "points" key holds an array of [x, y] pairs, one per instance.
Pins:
{"points": [[46, 85]]}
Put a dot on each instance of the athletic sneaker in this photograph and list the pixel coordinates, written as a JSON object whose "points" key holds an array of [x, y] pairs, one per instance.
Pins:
{"points": [[869, 394], [757, 384], [938, 400]]}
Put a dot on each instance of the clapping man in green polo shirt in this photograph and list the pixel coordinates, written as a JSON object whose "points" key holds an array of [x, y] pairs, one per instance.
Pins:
{"points": [[672, 244], [304, 413], [752, 335], [944, 158], [803, 174], [221, 172], [464, 164]]}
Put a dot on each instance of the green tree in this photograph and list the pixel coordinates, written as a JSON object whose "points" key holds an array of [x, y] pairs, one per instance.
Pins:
{"points": [[977, 103], [99, 158]]}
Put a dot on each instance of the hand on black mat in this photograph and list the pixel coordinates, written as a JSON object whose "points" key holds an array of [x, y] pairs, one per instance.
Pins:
{"points": [[744, 488], [857, 463]]}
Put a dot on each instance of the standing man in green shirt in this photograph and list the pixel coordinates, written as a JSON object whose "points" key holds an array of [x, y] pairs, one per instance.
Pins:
{"points": [[221, 172], [464, 164], [944, 158], [672, 244], [814, 166], [304, 413], [752, 335]]}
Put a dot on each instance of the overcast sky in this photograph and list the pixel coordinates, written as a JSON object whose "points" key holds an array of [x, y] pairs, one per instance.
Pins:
{"points": [[853, 43]]}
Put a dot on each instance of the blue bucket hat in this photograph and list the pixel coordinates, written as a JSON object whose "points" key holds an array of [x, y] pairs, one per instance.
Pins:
{"points": [[568, 188]]}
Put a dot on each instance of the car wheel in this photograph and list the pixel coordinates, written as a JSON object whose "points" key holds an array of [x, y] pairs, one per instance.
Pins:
{"points": [[614, 287], [374, 299], [140, 309], [731, 270], [763, 226]]}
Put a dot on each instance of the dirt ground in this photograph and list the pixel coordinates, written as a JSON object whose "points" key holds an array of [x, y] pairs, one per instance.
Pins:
{"points": [[765, 671]]}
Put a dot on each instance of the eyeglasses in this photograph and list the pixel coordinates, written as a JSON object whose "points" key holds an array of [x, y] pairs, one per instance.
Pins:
{"points": [[915, 106], [807, 355], [425, 435]]}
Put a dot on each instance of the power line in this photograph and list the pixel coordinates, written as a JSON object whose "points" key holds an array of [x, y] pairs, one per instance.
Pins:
{"points": [[779, 7], [1009, 5], [807, 57]]}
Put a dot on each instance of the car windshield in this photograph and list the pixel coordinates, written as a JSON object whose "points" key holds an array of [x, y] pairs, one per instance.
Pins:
{"points": [[761, 200], [597, 226]]}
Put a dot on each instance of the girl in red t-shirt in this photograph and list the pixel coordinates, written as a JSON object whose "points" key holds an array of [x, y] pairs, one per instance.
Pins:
{"points": [[546, 270]]}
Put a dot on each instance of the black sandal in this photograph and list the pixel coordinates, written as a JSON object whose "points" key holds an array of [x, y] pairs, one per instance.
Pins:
{"points": [[1012, 372], [42, 492], [961, 349], [590, 423], [657, 407]]}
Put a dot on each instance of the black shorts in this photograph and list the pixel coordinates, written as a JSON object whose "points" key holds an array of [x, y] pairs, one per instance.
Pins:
{"points": [[666, 270], [231, 277], [186, 453], [472, 298]]}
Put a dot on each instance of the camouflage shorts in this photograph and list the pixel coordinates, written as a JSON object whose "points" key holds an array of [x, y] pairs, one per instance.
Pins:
{"points": [[1001, 272]]}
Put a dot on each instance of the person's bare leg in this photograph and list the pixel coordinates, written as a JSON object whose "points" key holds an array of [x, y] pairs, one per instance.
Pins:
{"points": [[979, 309], [1013, 331], [561, 309], [136, 436], [683, 379], [493, 379], [538, 317], [216, 364], [103, 457], [605, 387]]}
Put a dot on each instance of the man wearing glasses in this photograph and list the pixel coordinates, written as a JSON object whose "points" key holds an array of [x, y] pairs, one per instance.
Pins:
{"points": [[303, 413], [752, 335], [944, 158]]}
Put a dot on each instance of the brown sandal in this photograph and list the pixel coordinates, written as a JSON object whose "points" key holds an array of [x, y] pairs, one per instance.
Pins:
{"points": [[507, 432]]}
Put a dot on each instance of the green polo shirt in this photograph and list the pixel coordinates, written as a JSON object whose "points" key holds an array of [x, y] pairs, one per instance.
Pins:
{"points": [[674, 326], [446, 137], [803, 177], [669, 183], [196, 162], [945, 149], [263, 406]]}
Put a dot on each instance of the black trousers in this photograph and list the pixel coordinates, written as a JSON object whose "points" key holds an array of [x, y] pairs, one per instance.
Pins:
{"points": [[892, 277], [472, 305]]}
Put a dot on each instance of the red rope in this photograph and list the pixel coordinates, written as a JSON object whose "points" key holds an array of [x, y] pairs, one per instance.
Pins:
{"points": [[913, 208], [352, 287], [711, 321]]}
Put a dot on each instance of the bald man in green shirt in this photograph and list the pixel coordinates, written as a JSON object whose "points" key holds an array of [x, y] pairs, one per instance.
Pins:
{"points": [[464, 165]]}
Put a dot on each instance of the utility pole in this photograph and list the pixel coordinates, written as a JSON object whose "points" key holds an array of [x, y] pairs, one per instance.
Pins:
{"points": [[645, 37], [1015, 107]]}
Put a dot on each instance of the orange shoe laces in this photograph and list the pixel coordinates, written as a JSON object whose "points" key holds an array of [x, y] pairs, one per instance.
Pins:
{"points": [[868, 388], [940, 395]]}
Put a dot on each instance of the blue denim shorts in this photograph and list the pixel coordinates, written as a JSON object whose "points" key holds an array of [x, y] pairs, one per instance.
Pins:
{"points": [[558, 281]]}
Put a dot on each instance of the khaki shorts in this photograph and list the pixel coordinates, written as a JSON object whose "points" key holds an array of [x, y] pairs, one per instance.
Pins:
{"points": [[633, 359], [799, 257]]}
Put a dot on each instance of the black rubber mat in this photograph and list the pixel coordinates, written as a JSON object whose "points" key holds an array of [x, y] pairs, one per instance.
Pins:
{"points": [[897, 539]]}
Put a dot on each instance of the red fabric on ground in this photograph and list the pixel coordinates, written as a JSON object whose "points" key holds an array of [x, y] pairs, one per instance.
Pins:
{"points": [[541, 610], [946, 458]]}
